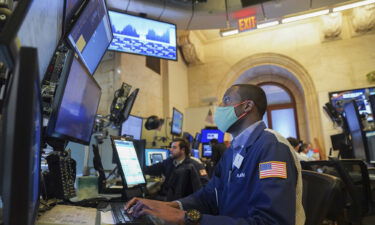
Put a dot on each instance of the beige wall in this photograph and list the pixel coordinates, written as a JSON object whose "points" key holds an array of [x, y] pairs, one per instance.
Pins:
{"points": [[330, 65]]}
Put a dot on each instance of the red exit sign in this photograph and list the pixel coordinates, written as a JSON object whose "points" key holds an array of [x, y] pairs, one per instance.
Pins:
{"points": [[247, 23]]}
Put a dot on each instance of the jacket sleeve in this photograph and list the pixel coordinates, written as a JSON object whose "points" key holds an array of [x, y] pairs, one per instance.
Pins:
{"points": [[272, 200], [156, 169]]}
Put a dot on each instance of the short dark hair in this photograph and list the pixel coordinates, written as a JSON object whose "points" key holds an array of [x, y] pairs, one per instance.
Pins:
{"points": [[254, 93], [183, 144], [214, 141], [293, 141]]}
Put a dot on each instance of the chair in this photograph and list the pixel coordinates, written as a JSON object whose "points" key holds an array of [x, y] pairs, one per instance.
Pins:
{"points": [[319, 194]]}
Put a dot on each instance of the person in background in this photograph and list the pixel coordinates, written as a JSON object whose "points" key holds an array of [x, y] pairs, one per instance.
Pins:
{"points": [[257, 181], [305, 154], [218, 150]]}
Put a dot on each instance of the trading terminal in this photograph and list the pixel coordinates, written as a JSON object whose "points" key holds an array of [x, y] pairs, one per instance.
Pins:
{"points": [[94, 91]]}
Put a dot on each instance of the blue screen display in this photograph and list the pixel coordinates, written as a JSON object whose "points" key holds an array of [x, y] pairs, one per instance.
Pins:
{"points": [[207, 150], [208, 135], [132, 126], [142, 36], [196, 153], [91, 34], [78, 105], [155, 155], [177, 120]]}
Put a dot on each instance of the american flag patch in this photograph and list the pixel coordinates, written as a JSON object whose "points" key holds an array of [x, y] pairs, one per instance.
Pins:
{"points": [[272, 169]]}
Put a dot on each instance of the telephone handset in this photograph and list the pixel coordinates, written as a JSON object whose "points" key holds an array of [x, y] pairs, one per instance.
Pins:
{"points": [[61, 176]]}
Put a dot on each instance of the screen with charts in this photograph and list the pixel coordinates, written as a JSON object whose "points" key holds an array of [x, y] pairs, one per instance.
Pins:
{"points": [[209, 134], [207, 150], [133, 127], [91, 34], [129, 162], [143, 36], [177, 119], [154, 155]]}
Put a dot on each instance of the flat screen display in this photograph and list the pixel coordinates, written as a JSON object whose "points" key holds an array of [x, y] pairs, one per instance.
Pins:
{"points": [[71, 7], [177, 119], [91, 34], [361, 96], [196, 153], [129, 162], [133, 127], [207, 150], [154, 155], [78, 106], [207, 135], [143, 36]]}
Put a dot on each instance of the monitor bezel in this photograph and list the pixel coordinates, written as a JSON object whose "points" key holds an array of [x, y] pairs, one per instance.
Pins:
{"points": [[72, 27], [117, 160], [51, 130], [132, 53], [120, 130], [182, 124], [130, 100], [65, 24]]}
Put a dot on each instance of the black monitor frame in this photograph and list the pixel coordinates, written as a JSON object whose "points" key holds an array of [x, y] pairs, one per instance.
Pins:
{"points": [[58, 100], [73, 14], [173, 112], [18, 159], [129, 103]]}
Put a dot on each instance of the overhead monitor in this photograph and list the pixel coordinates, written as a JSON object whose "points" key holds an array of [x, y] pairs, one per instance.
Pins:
{"points": [[132, 34], [177, 119], [70, 9], [21, 142], [361, 96], [76, 102], [155, 155], [128, 163], [208, 134], [91, 34], [355, 128], [132, 127], [44, 34], [206, 150]]}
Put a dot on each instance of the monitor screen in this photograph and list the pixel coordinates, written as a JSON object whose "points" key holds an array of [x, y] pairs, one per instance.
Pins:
{"points": [[73, 118], [71, 7], [209, 134], [355, 128], [128, 163], [177, 119], [91, 34], [196, 153], [21, 142], [133, 127], [154, 155], [41, 33], [361, 96], [207, 150], [132, 34]]}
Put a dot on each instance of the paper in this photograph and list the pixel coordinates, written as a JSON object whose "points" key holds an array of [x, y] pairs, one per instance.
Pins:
{"points": [[68, 215], [106, 218]]}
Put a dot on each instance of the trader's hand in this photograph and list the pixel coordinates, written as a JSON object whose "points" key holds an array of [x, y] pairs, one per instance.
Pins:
{"points": [[163, 210]]}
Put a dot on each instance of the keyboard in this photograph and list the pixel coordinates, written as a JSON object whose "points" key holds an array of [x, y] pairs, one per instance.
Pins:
{"points": [[120, 216]]}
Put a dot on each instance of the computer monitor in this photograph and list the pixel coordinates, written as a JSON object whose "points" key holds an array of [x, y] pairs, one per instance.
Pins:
{"points": [[206, 150], [129, 104], [42, 29], [21, 142], [76, 102], [196, 153], [132, 127], [137, 35], [128, 163], [70, 9], [91, 34], [188, 136], [356, 130], [177, 119], [155, 155], [209, 134], [196, 141]]}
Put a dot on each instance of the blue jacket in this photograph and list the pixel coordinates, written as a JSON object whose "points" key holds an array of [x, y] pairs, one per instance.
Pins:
{"points": [[239, 196]]}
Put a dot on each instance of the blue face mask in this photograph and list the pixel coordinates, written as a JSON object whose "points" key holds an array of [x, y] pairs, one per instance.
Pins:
{"points": [[225, 116]]}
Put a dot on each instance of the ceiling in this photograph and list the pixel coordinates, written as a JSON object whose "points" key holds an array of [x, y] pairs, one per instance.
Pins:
{"points": [[212, 13]]}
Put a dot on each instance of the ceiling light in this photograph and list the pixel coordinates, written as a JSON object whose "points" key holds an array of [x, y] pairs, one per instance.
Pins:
{"points": [[353, 5], [228, 32], [267, 24], [305, 16]]}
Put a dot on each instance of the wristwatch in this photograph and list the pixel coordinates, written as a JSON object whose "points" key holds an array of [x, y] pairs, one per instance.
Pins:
{"points": [[192, 217]]}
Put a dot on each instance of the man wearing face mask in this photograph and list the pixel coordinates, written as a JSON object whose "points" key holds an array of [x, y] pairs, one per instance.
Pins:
{"points": [[258, 180]]}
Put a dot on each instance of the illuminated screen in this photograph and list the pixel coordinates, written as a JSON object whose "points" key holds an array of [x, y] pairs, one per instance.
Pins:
{"points": [[208, 135], [154, 155], [177, 120], [207, 150], [133, 127], [196, 153], [142, 36], [129, 163], [91, 34], [77, 111], [361, 96]]}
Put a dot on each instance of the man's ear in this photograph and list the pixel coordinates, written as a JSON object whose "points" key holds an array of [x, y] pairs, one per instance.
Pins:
{"points": [[249, 106]]}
